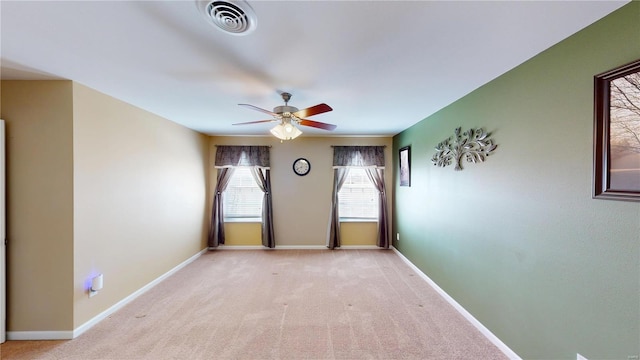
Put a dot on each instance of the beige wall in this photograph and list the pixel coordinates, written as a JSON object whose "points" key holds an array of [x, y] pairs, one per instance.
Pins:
{"points": [[241, 233], [139, 197], [301, 204], [359, 233], [352, 234], [38, 117], [95, 185]]}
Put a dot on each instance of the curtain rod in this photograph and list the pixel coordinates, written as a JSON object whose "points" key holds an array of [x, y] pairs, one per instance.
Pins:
{"points": [[242, 145], [384, 146]]}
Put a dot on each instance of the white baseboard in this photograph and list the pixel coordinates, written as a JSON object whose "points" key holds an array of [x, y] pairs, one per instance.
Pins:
{"points": [[86, 326], [66, 335], [239, 247], [359, 247], [293, 247], [486, 332], [301, 247], [278, 247]]}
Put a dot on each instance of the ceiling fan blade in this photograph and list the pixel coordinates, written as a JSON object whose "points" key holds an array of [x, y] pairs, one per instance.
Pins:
{"points": [[259, 109], [314, 110], [255, 122], [317, 124]]}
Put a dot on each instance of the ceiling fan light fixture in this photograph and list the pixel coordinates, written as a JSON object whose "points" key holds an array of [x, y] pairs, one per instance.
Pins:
{"points": [[288, 128], [286, 131], [289, 116], [234, 17]]}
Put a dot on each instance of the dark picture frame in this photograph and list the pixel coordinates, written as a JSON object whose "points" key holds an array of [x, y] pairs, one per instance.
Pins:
{"points": [[616, 158], [405, 165]]}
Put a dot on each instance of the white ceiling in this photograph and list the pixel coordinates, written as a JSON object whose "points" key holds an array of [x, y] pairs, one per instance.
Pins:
{"points": [[382, 65]]}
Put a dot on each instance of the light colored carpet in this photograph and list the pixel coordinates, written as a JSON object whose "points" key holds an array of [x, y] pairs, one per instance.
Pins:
{"points": [[283, 304]]}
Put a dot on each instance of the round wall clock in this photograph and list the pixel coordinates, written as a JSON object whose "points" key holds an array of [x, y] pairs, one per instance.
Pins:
{"points": [[301, 166]]}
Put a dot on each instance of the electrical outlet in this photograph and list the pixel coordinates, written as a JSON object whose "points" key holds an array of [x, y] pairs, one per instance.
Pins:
{"points": [[580, 357], [398, 236]]}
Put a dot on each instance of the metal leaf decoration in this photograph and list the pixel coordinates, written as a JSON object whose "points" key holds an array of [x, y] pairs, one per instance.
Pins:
{"points": [[474, 145]]}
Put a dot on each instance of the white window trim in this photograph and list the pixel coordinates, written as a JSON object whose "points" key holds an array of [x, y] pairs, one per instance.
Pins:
{"points": [[360, 219], [243, 219]]}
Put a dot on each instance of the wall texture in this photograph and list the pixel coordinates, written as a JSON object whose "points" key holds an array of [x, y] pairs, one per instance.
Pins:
{"points": [[517, 240], [140, 190], [301, 204], [95, 186], [39, 147]]}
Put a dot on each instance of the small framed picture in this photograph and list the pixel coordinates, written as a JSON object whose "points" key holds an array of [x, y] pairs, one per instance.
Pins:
{"points": [[405, 166], [616, 173]]}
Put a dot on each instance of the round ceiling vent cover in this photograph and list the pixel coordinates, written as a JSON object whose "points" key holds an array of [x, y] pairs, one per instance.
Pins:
{"points": [[233, 17]]}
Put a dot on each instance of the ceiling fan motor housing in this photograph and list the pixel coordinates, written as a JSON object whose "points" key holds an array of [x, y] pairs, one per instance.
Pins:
{"points": [[285, 109], [289, 115]]}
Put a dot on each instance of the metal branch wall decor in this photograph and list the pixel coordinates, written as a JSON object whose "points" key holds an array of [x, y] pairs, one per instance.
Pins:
{"points": [[473, 144]]}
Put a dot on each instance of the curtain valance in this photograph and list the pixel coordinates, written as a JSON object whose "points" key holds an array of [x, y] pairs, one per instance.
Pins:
{"points": [[362, 156], [230, 156]]}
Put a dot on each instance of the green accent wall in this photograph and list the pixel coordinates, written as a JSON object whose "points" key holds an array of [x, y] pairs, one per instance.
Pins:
{"points": [[518, 240]]}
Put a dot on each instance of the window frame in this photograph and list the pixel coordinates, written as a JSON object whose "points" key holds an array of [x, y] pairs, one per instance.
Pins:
{"points": [[376, 199], [250, 218]]}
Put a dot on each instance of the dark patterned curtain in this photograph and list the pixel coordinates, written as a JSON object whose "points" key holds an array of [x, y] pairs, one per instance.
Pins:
{"points": [[228, 158], [360, 156], [333, 240], [376, 175], [264, 182], [372, 158], [216, 229]]}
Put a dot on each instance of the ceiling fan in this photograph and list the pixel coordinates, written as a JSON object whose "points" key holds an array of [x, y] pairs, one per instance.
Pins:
{"points": [[289, 116]]}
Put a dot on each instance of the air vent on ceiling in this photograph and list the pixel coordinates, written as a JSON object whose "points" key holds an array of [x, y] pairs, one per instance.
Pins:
{"points": [[233, 17]]}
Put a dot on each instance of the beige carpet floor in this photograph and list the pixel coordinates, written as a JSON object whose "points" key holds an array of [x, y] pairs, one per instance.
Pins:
{"points": [[283, 304]]}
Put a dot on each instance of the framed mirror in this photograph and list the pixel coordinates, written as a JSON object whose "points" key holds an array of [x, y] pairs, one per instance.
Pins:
{"points": [[616, 168]]}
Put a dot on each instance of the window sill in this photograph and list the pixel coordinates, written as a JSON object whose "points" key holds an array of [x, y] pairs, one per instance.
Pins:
{"points": [[358, 220], [243, 220]]}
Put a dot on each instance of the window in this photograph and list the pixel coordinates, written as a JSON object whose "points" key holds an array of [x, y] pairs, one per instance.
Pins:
{"points": [[358, 198], [242, 200]]}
